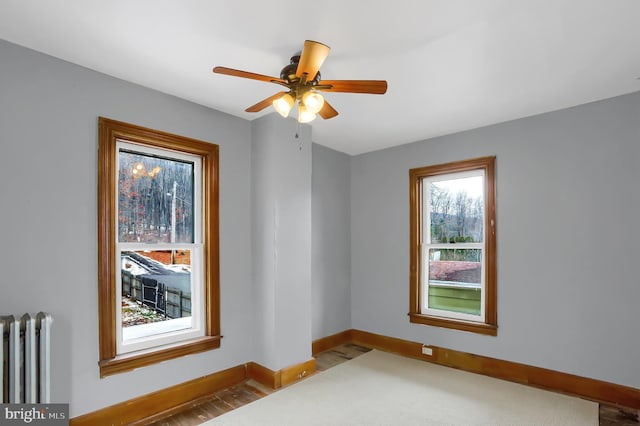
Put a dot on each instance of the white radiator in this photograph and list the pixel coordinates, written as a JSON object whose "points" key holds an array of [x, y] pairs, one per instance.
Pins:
{"points": [[25, 359]]}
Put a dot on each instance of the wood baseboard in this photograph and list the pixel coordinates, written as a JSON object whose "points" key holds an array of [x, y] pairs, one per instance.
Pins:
{"points": [[592, 389], [277, 379], [263, 375], [151, 404], [297, 372], [332, 341], [170, 400]]}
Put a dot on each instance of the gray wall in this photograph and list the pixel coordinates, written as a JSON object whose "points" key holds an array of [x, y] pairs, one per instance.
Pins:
{"points": [[567, 213], [331, 242], [281, 232], [48, 256], [568, 209]]}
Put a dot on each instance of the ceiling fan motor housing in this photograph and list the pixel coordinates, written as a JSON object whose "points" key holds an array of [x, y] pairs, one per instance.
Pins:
{"points": [[288, 73]]}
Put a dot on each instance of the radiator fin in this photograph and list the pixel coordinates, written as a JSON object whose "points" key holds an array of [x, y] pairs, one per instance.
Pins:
{"points": [[25, 358]]}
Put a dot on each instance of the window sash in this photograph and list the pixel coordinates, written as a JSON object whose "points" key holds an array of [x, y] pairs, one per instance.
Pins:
{"points": [[197, 327], [426, 194], [425, 285], [428, 245], [169, 154]]}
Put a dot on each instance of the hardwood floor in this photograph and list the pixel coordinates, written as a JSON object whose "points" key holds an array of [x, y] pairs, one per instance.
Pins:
{"points": [[228, 399], [338, 355], [214, 405], [610, 416]]}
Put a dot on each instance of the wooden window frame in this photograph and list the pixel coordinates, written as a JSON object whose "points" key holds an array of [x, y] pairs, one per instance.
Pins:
{"points": [[109, 131], [490, 324]]}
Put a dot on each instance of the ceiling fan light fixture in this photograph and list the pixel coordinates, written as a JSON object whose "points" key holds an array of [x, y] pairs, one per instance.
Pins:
{"points": [[302, 80], [313, 101], [284, 104], [305, 115]]}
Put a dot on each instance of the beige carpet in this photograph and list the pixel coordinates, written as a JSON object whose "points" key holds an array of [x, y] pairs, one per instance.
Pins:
{"points": [[379, 388]]}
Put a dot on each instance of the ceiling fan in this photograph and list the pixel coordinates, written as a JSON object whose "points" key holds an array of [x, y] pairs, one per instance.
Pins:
{"points": [[302, 79]]}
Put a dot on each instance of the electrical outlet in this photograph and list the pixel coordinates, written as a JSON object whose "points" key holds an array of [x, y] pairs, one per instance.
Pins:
{"points": [[426, 350]]}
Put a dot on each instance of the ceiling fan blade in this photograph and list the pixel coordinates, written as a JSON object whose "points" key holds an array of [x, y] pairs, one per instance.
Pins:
{"points": [[264, 103], [327, 111], [311, 59], [247, 74], [375, 87]]}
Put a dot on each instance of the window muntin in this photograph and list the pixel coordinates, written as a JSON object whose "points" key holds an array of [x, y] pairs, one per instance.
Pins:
{"points": [[452, 246], [193, 247]]}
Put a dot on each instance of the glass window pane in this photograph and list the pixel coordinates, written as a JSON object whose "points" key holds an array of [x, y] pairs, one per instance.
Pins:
{"points": [[156, 292], [457, 210], [155, 199], [455, 277]]}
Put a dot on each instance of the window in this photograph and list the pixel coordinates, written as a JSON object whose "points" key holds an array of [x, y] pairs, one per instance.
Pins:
{"points": [[453, 249], [157, 246]]}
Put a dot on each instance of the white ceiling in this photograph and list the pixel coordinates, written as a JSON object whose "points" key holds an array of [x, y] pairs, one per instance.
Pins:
{"points": [[451, 65]]}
